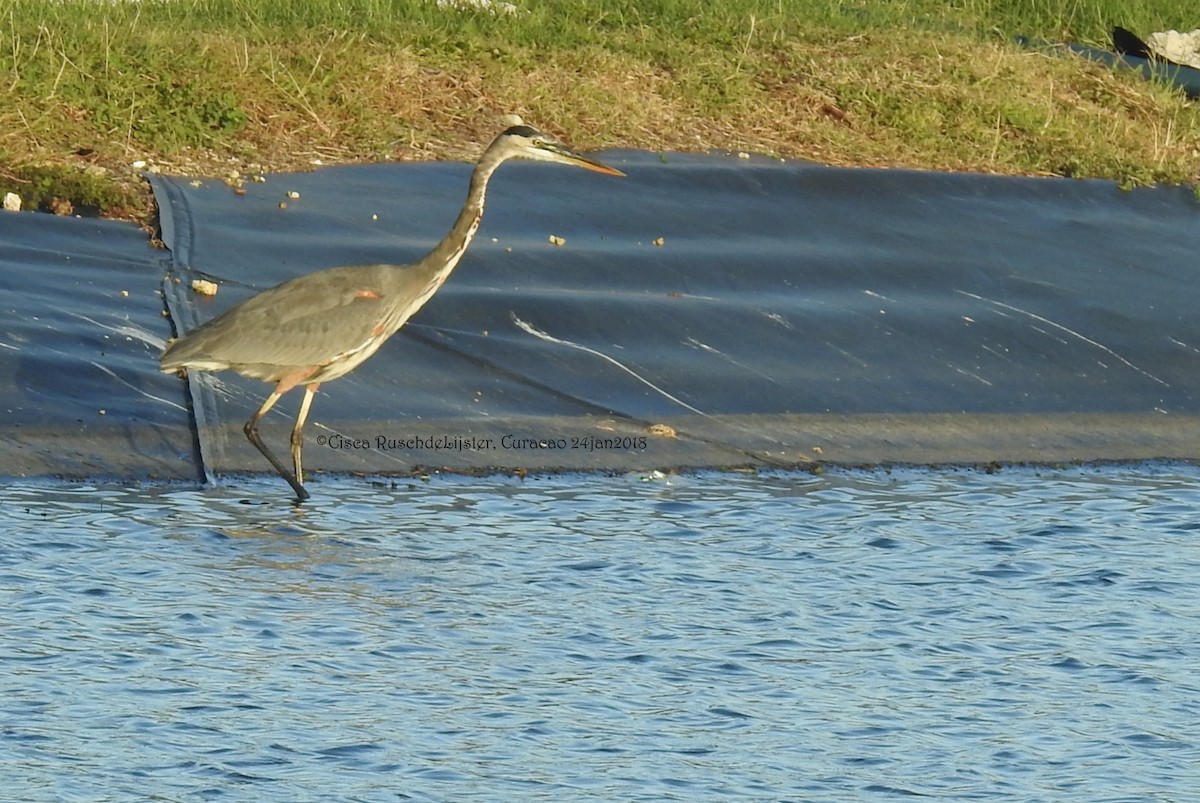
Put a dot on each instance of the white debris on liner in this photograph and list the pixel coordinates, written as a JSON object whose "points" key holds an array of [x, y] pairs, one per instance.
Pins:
{"points": [[12, 202], [1181, 48], [204, 287], [493, 6]]}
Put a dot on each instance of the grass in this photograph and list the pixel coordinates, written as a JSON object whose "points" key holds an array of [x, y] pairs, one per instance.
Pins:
{"points": [[212, 86]]}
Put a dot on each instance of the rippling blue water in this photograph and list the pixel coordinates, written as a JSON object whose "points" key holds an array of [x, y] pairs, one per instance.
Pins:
{"points": [[1029, 635]]}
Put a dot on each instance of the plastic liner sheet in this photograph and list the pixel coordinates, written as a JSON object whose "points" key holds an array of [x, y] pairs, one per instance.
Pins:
{"points": [[80, 331], [719, 311]]}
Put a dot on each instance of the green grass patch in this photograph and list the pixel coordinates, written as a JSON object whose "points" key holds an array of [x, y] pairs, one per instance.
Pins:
{"points": [[207, 86]]}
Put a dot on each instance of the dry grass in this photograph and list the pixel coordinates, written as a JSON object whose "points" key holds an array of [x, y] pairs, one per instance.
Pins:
{"points": [[88, 103]]}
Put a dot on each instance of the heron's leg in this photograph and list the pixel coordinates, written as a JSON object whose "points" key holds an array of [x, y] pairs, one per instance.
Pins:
{"points": [[251, 430], [298, 430]]}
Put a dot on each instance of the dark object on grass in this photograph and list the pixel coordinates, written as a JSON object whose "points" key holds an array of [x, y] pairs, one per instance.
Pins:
{"points": [[1128, 43]]}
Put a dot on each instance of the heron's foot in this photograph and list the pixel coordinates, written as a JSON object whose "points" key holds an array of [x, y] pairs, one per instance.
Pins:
{"points": [[297, 486]]}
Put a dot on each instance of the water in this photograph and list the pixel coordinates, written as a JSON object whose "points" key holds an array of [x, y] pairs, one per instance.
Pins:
{"points": [[1029, 635]]}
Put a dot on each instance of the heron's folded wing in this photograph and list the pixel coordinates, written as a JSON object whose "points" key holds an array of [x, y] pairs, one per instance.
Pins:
{"points": [[307, 321]]}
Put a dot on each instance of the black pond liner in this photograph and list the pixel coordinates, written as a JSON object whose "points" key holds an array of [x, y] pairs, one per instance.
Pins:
{"points": [[792, 314], [81, 326]]}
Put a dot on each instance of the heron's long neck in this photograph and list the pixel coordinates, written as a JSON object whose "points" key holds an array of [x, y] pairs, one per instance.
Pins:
{"points": [[445, 256]]}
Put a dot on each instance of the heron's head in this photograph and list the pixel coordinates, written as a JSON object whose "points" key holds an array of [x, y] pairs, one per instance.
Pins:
{"points": [[526, 142]]}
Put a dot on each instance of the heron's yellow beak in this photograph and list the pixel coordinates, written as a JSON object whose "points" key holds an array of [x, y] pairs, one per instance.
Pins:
{"points": [[599, 167], [571, 157]]}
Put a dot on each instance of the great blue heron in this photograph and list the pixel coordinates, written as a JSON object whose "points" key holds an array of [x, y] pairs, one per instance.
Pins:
{"points": [[318, 327]]}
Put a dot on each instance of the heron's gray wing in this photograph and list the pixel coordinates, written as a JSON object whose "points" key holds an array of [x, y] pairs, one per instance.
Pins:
{"points": [[307, 321]]}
